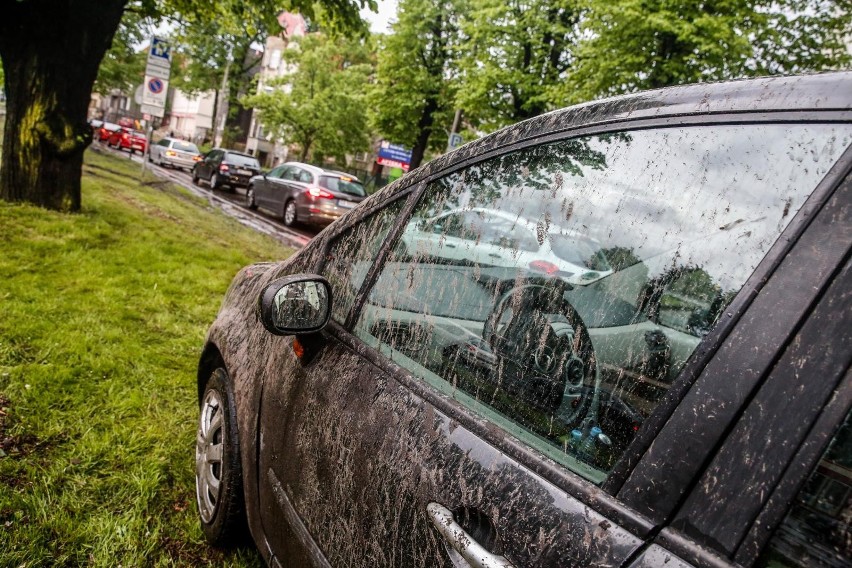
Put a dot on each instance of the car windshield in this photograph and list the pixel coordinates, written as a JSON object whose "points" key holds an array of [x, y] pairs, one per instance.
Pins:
{"points": [[185, 146], [347, 185], [243, 160]]}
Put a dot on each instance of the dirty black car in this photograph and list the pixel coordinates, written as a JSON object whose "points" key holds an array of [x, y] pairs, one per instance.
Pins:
{"points": [[376, 400]]}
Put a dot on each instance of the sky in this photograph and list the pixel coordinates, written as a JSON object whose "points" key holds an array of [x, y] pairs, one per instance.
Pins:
{"points": [[380, 22]]}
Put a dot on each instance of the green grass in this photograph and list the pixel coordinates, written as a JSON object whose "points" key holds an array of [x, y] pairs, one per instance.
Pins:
{"points": [[102, 318]]}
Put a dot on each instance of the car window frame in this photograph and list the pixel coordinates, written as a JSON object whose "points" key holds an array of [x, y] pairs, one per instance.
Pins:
{"points": [[806, 346], [608, 501]]}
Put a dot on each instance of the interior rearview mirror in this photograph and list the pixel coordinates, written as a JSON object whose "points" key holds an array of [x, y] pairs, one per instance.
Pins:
{"points": [[296, 305]]}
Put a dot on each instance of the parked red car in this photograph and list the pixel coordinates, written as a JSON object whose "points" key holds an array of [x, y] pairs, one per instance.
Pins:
{"points": [[105, 130], [127, 139]]}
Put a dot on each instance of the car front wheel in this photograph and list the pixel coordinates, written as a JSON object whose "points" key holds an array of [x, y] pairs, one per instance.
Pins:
{"points": [[218, 474]]}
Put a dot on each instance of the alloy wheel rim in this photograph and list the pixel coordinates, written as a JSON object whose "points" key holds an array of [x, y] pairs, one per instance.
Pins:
{"points": [[290, 213], [209, 447], [250, 197]]}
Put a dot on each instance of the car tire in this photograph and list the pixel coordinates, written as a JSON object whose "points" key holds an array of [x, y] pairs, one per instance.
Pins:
{"points": [[195, 179], [250, 202], [215, 181], [289, 214], [221, 505]]}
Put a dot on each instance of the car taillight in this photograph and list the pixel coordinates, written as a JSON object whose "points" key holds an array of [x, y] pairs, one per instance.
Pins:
{"points": [[224, 168], [315, 192], [171, 153], [125, 136], [544, 266]]}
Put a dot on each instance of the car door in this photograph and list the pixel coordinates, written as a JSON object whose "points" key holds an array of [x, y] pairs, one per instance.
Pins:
{"points": [[265, 188], [461, 411], [208, 164]]}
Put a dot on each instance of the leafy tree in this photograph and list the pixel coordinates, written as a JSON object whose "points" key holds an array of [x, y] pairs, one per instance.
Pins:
{"points": [[515, 51], [641, 44], [123, 65], [321, 105], [416, 77], [219, 56], [51, 51]]}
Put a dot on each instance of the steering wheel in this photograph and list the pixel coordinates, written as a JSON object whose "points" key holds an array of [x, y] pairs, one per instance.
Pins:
{"points": [[544, 353]]}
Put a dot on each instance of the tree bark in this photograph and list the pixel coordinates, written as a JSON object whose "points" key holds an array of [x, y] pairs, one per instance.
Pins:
{"points": [[424, 130], [51, 51]]}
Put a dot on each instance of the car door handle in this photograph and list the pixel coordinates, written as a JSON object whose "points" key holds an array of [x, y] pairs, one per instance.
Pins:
{"points": [[448, 245], [464, 551]]}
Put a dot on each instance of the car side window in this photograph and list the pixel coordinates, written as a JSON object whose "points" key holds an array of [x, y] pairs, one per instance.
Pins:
{"points": [[818, 528], [292, 173], [276, 172], [352, 252], [163, 142], [306, 177], [641, 240]]}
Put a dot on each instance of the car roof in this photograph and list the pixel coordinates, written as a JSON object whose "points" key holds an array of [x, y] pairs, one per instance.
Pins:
{"points": [[524, 222], [321, 171], [236, 152], [815, 92]]}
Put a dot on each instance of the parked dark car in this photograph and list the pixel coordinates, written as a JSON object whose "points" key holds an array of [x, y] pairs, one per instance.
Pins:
{"points": [[305, 193], [369, 402], [221, 168], [128, 139], [174, 153]]}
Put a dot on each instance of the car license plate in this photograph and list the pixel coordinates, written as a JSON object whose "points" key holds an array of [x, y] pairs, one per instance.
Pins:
{"points": [[345, 204], [244, 172]]}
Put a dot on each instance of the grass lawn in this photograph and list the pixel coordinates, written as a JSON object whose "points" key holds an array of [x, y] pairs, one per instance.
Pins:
{"points": [[102, 318]]}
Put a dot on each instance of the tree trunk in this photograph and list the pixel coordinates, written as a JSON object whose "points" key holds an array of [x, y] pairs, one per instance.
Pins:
{"points": [[51, 51], [424, 129]]}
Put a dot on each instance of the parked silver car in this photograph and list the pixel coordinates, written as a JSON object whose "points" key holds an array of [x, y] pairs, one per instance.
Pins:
{"points": [[175, 153], [305, 193]]}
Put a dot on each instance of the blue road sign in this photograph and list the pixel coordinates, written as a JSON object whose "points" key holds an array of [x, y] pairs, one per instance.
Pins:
{"points": [[160, 48], [455, 141]]}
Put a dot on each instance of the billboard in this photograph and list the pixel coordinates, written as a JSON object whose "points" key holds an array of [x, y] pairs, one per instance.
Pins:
{"points": [[394, 152]]}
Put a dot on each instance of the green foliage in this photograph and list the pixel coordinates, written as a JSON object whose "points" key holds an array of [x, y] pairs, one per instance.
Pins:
{"points": [[104, 316], [515, 52], [636, 44], [320, 106], [417, 77], [123, 65]]}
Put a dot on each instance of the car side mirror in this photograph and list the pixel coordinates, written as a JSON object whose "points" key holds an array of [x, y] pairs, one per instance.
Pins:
{"points": [[296, 305]]}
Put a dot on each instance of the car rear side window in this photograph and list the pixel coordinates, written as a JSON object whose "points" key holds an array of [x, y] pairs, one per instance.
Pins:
{"points": [[351, 253], [643, 238], [185, 146], [241, 160], [350, 186]]}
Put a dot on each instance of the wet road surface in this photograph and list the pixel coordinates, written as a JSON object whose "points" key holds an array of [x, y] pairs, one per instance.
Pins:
{"points": [[232, 202]]}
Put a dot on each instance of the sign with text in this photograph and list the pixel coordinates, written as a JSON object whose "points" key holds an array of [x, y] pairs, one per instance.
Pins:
{"points": [[154, 91], [392, 163], [395, 152], [159, 59]]}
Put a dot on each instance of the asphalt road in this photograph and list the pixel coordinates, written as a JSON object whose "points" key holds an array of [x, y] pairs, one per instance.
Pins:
{"points": [[232, 202]]}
